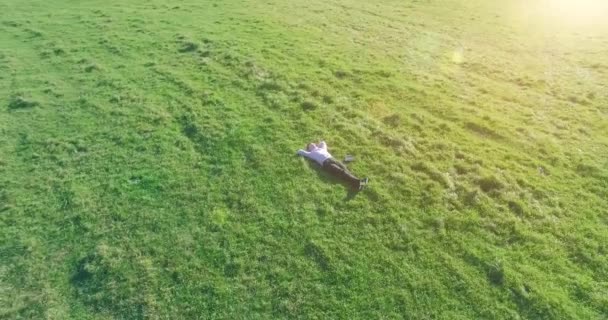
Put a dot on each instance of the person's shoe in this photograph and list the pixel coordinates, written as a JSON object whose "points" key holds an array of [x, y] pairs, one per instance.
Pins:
{"points": [[363, 183]]}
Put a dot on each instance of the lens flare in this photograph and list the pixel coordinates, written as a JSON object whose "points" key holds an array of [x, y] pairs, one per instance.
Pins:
{"points": [[458, 56]]}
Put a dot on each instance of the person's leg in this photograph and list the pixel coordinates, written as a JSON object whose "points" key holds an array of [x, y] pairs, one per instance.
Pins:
{"points": [[345, 169], [340, 171], [340, 164]]}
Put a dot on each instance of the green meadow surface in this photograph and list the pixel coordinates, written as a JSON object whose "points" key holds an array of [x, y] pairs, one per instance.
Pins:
{"points": [[148, 167]]}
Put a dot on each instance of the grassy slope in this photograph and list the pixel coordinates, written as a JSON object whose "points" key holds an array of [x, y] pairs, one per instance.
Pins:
{"points": [[147, 162]]}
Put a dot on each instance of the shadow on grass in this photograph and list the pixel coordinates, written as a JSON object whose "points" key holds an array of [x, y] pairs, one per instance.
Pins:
{"points": [[328, 178]]}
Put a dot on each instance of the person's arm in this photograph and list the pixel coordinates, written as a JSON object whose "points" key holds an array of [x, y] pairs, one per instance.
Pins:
{"points": [[323, 145], [303, 153]]}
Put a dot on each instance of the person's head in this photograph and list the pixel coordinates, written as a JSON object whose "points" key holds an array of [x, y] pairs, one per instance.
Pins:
{"points": [[310, 147]]}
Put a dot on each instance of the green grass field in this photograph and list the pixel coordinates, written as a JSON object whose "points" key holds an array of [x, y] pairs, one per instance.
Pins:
{"points": [[148, 167]]}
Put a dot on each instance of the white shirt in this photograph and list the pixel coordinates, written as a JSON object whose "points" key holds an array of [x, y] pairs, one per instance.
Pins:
{"points": [[318, 153]]}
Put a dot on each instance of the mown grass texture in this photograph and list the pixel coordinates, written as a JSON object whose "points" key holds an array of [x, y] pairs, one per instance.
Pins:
{"points": [[148, 168]]}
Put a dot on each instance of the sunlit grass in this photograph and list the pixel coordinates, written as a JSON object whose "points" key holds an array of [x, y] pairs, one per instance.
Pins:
{"points": [[579, 11], [564, 15], [148, 168]]}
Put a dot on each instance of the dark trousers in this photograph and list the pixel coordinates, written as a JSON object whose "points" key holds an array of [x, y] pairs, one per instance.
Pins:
{"points": [[339, 170]]}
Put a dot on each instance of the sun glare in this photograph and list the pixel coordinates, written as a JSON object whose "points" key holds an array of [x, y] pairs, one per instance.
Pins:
{"points": [[578, 11]]}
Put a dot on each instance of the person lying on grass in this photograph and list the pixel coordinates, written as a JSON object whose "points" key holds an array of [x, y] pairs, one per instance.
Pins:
{"points": [[319, 153]]}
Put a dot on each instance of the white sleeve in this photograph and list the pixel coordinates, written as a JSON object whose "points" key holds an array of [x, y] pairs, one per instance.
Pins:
{"points": [[303, 153], [323, 145]]}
